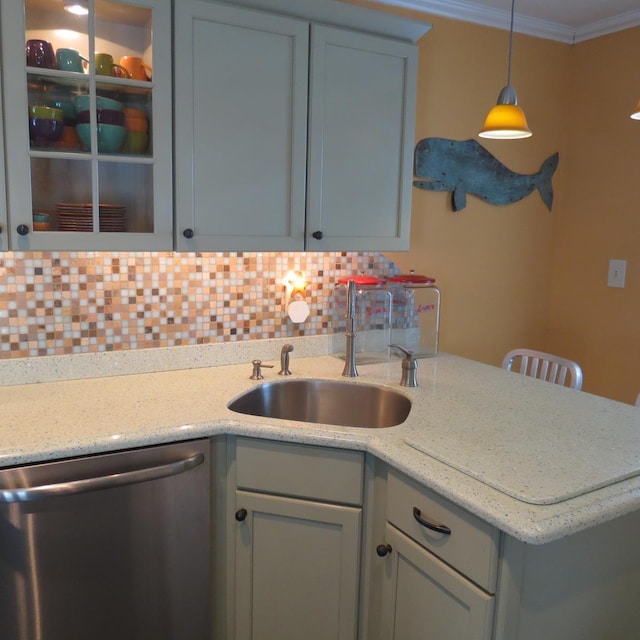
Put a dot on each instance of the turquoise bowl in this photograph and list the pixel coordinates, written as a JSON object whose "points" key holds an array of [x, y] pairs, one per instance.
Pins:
{"points": [[83, 103], [68, 110], [111, 137]]}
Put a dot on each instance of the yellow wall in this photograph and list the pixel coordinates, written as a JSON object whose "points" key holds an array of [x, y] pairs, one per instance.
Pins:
{"points": [[600, 219], [519, 275], [492, 262]]}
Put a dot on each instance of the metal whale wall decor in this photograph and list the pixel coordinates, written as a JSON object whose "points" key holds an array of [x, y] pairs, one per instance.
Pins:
{"points": [[466, 167]]}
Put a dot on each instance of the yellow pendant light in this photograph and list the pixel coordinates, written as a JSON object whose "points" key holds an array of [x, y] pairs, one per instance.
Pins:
{"points": [[506, 121]]}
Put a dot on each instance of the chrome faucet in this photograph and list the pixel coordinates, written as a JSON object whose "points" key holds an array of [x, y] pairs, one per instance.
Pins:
{"points": [[350, 370], [409, 367], [284, 360]]}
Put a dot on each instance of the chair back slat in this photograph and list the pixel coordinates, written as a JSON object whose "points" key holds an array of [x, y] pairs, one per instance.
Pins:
{"points": [[544, 366]]}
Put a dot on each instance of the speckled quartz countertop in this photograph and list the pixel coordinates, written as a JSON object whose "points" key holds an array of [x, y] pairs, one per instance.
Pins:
{"points": [[536, 460]]}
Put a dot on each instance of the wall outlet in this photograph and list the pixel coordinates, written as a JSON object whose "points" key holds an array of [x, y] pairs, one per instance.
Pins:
{"points": [[617, 273]]}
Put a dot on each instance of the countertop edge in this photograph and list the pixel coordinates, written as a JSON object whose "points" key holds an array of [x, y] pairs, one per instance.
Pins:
{"points": [[139, 424]]}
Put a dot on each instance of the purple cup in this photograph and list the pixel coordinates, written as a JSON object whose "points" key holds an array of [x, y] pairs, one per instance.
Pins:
{"points": [[103, 116], [43, 132], [40, 54]]}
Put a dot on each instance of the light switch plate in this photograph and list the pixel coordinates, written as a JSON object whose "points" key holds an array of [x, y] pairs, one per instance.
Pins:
{"points": [[617, 273]]}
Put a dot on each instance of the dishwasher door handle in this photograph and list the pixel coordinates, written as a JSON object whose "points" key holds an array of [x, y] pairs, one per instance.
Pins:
{"points": [[109, 481]]}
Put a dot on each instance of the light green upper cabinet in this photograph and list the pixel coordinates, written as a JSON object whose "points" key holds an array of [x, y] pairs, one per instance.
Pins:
{"points": [[102, 179], [3, 203], [240, 127], [361, 134], [290, 135]]}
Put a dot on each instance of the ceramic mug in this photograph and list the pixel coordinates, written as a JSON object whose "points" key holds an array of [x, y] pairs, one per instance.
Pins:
{"points": [[105, 66], [40, 54], [137, 68], [71, 60]]}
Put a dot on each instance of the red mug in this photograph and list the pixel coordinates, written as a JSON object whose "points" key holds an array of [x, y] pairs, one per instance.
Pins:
{"points": [[40, 54]]}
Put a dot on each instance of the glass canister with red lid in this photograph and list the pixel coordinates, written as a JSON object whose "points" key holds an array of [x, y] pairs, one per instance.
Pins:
{"points": [[372, 321], [415, 322]]}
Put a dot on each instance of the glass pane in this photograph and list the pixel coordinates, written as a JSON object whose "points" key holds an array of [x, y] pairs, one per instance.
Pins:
{"points": [[57, 56], [52, 112], [56, 39], [123, 41], [113, 46], [126, 197], [123, 119], [58, 186]]}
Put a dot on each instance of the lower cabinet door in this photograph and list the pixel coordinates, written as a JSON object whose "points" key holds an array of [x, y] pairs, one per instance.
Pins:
{"points": [[297, 568], [424, 599]]}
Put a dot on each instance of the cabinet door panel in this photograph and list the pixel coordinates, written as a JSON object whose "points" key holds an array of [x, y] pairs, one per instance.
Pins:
{"points": [[362, 112], [3, 202], [241, 107], [297, 565], [424, 598]]}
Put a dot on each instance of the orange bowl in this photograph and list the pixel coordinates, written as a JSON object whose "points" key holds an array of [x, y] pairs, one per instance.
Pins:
{"points": [[136, 124], [69, 139], [135, 113], [136, 119]]}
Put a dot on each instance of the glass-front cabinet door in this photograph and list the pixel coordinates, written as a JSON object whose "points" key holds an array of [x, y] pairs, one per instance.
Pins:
{"points": [[87, 97]]}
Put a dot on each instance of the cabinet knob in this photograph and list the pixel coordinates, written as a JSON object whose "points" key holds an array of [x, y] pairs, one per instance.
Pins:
{"points": [[383, 549], [22, 229], [318, 235], [241, 514], [188, 233]]}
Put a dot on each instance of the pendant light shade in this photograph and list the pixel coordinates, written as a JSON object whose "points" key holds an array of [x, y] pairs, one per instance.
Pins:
{"points": [[506, 121], [636, 113]]}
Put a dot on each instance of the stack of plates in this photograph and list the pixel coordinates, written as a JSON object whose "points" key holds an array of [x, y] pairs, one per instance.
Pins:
{"points": [[79, 217], [113, 218]]}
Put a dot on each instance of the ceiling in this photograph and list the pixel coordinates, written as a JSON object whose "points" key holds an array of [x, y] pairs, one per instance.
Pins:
{"points": [[564, 20]]}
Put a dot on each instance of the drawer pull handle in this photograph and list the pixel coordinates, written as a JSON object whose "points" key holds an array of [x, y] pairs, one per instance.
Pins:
{"points": [[383, 549], [440, 528], [241, 515]]}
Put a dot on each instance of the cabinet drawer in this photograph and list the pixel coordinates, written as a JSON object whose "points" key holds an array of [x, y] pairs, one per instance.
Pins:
{"points": [[304, 471], [472, 545]]}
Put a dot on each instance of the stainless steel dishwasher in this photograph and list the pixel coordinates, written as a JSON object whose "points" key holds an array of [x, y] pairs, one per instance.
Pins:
{"points": [[112, 546]]}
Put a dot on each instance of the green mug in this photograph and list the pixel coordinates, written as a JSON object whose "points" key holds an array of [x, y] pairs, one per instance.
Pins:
{"points": [[105, 66]]}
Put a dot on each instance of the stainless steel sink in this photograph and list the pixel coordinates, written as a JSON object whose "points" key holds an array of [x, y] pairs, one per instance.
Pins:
{"points": [[325, 402]]}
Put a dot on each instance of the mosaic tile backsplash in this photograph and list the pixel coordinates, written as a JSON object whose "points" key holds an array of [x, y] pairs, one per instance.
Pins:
{"points": [[59, 303]]}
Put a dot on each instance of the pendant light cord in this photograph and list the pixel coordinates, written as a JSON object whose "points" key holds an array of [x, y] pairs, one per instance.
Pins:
{"points": [[513, 4]]}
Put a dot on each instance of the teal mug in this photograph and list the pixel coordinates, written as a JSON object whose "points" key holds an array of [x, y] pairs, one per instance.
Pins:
{"points": [[71, 60]]}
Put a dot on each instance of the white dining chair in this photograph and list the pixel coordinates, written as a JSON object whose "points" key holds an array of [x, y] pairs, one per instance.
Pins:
{"points": [[544, 366]]}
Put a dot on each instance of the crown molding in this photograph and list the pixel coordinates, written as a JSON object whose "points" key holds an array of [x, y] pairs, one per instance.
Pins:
{"points": [[620, 22], [500, 19]]}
